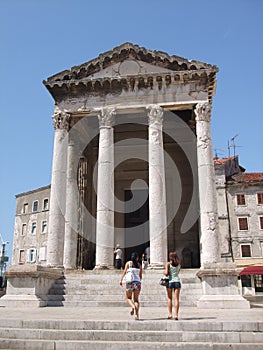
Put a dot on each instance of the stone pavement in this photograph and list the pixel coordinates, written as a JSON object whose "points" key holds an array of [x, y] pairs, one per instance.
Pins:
{"points": [[122, 314]]}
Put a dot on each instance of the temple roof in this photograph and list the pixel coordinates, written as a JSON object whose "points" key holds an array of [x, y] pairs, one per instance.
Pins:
{"points": [[127, 67], [129, 51]]}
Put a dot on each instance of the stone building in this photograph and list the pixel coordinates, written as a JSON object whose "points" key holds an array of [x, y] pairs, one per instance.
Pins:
{"points": [[240, 214], [31, 227], [133, 165]]}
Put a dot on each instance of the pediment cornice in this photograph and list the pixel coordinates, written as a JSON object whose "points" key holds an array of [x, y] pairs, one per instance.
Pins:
{"points": [[128, 51]]}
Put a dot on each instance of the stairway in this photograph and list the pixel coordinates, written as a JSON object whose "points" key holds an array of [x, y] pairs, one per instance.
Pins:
{"points": [[101, 289], [54, 334]]}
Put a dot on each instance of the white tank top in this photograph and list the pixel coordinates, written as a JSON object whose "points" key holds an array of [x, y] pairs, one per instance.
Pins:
{"points": [[135, 272]]}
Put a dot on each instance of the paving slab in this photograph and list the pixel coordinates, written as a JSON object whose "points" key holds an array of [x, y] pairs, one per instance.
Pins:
{"points": [[122, 314]]}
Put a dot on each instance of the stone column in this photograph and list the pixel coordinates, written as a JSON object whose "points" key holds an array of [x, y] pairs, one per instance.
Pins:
{"points": [[219, 279], [72, 204], [105, 192], [207, 190], [56, 229], [157, 189]]}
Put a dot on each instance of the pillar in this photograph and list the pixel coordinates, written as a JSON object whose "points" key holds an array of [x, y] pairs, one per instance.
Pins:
{"points": [[157, 190], [105, 192], [72, 205], [56, 229], [219, 279], [207, 191]]}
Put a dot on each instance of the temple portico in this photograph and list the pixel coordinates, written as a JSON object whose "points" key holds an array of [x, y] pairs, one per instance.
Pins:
{"points": [[133, 165]]}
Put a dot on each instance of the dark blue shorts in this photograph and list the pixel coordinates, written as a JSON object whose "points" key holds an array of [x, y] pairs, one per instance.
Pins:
{"points": [[174, 285]]}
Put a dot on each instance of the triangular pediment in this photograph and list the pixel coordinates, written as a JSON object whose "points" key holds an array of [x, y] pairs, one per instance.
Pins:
{"points": [[126, 60]]}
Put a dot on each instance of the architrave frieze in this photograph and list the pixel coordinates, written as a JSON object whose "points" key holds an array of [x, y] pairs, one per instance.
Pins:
{"points": [[161, 83]]}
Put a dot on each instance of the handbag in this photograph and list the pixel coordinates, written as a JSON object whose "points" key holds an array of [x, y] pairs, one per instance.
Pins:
{"points": [[164, 281]]}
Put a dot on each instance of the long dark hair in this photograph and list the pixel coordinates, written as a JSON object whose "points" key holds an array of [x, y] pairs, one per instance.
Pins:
{"points": [[134, 259], [175, 261]]}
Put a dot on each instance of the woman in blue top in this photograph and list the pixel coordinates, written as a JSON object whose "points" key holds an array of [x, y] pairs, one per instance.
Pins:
{"points": [[172, 269]]}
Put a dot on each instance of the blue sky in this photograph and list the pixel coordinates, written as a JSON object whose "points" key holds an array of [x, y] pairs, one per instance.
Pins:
{"points": [[39, 38]]}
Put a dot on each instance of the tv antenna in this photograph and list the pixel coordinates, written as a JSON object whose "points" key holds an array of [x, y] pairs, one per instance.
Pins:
{"points": [[219, 152], [233, 145]]}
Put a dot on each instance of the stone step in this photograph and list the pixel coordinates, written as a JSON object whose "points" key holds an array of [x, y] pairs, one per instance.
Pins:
{"points": [[29, 344], [186, 324], [111, 303], [128, 335], [96, 289], [115, 297]]}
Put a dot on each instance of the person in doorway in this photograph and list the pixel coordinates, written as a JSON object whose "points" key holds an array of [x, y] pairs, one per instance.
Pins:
{"points": [[147, 255], [133, 288], [118, 257], [173, 288]]}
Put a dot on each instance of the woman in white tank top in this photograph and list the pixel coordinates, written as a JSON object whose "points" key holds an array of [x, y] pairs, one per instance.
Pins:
{"points": [[133, 286]]}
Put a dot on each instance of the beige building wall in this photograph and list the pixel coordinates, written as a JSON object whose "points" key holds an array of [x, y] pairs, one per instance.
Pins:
{"points": [[31, 227]]}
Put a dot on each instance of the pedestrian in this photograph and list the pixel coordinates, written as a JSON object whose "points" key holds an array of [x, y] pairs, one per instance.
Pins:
{"points": [[173, 288], [147, 255], [118, 257], [133, 286]]}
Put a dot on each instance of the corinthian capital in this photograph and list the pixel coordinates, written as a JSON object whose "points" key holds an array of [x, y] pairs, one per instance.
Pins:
{"points": [[203, 111], [106, 117], [155, 114], [61, 120]]}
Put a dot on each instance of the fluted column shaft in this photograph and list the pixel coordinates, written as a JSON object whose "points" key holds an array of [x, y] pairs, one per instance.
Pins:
{"points": [[157, 189], [56, 229], [207, 191], [105, 191]]}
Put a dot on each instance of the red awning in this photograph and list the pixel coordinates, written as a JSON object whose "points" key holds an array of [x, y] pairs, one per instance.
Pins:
{"points": [[252, 270]]}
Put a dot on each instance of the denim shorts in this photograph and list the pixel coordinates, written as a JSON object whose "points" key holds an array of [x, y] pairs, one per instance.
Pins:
{"points": [[174, 285]]}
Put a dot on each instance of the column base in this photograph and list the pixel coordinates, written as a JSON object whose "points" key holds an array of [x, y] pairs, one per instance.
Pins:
{"points": [[156, 266], [220, 287], [103, 267], [28, 285]]}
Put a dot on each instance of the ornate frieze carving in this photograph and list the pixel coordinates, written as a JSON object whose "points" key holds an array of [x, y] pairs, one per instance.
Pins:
{"points": [[203, 111], [155, 115], [61, 120], [106, 117]]}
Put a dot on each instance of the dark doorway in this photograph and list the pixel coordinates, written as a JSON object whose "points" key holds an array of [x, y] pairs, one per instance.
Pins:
{"points": [[136, 222]]}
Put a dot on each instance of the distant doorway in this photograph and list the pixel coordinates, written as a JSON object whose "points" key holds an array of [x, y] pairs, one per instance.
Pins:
{"points": [[136, 222]]}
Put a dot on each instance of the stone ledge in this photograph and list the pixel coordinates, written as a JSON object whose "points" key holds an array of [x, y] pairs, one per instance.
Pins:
{"points": [[33, 271]]}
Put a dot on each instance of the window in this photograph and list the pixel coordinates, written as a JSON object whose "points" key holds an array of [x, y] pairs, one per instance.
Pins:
{"points": [[31, 255], [260, 197], [22, 256], [246, 281], [34, 228], [42, 254], [45, 204], [35, 206], [240, 199], [23, 229], [44, 226], [261, 222], [242, 224], [25, 208], [245, 250]]}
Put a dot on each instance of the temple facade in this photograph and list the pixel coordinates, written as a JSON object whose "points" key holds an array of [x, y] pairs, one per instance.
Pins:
{"points": [[133, 165], [132, 126]]}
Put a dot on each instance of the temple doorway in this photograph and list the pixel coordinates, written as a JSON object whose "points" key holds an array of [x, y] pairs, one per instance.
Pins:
{"points": [[136, 222]]}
